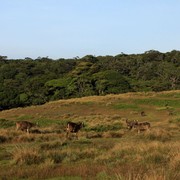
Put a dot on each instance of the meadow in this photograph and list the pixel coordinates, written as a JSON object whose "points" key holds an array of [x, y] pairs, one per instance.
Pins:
{"points": [[105, 149]]}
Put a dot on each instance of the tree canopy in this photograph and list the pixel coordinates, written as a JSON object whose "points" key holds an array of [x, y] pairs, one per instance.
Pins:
{"points": [[27, 81]]}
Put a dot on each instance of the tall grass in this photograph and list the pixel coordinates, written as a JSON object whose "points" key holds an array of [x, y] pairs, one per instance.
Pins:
{"points": [[26, 156]]}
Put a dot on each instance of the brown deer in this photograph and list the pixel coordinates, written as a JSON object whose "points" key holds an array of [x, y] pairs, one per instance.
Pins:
{"points": [[142, 126], [73, 128], [143, 113], [131, 124], [24, 126]]}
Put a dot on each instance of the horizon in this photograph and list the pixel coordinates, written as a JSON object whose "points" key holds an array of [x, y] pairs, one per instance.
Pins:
{"points": [[77, 57]]}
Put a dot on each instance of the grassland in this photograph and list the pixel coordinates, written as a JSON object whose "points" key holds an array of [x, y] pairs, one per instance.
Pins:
{"points": [[105, 148]]}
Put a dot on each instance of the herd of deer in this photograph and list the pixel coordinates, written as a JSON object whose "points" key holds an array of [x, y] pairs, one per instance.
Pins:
{"points": [[140, 126], [75, 127], [70, 128]]}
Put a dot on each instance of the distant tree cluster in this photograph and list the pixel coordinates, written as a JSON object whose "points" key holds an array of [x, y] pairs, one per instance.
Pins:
{"points": [[25, 82]]}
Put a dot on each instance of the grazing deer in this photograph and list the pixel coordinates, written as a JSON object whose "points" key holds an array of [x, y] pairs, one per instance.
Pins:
{"points": [[142, 126], [143, 113], [24, 126], [73, 128], [131, 124]]}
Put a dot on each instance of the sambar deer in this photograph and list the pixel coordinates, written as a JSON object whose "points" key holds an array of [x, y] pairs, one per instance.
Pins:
{"points": [[131, 124], [73, 128], [142, 126], [24, 126]]}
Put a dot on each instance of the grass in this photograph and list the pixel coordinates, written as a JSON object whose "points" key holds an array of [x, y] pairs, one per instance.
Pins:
{"points": [[174, 103], [4, 123], [126, 106], [105, 149], [106, 127]]}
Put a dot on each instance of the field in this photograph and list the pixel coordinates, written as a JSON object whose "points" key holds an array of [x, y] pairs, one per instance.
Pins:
{"points": [[105, 149]]}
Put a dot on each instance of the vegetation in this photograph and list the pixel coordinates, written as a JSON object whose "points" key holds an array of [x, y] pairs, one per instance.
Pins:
{"points": [[105, 149], [25, 82]]}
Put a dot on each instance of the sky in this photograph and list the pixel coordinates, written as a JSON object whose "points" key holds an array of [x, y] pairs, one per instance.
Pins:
{"points": [[71, 28]]}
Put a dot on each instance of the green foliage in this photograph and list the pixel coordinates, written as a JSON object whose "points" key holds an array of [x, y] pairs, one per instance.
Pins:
{"points": [[34, 82], [110, 82]]}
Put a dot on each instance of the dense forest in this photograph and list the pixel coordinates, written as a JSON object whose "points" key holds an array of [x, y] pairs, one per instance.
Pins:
{"points": [[27, 81]]}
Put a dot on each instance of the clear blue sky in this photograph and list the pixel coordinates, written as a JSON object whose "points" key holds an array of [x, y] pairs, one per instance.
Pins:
{"points": [[70, 28]]}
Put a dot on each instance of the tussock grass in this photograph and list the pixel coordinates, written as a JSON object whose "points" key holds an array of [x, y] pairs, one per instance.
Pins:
{"points": [[105, 148], [26, 156], [52, 145], [157, 134]]}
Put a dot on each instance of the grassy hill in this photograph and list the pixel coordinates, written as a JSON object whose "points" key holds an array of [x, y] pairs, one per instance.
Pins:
{"points": [[106, 149]]}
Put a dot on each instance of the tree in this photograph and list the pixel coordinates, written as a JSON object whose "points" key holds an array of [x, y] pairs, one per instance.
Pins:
{"points": [[110, 82]]}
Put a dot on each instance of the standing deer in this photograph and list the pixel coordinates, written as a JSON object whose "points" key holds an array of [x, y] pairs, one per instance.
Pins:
{"points": [[24, 126], [142, 126], [131, 124], [73, 128]]}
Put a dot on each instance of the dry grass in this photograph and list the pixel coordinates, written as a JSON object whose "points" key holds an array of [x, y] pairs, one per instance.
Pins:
{"points": [[105, 148]]}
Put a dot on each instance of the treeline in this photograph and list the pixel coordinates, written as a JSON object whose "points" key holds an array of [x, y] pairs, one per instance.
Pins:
{"points": [[25, 82]]}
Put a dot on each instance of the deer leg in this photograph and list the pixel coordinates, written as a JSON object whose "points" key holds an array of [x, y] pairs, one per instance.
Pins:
{"points": [[76, 135], [67, 134]]}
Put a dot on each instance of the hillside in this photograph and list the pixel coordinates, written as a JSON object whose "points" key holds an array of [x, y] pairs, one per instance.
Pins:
{"points": [[105, 149], [26, 82]]}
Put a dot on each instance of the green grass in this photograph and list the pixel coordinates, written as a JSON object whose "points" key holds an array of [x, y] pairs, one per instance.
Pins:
{"points": [[24, 117], [175, 103], [4, 123], [169, 95], [105, 128], [125, 106], [43, 122]]}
